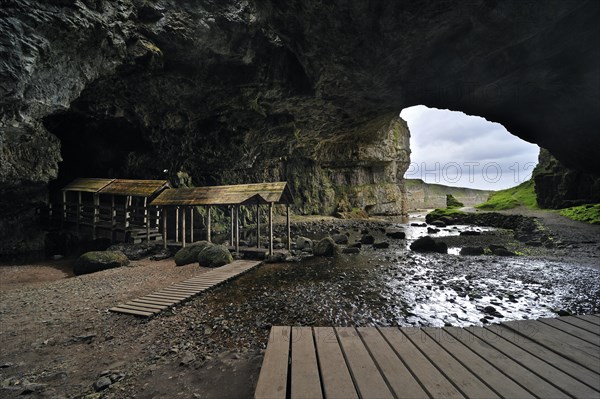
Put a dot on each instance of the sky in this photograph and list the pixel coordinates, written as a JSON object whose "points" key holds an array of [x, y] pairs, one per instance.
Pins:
{"points": [[455, 149]]}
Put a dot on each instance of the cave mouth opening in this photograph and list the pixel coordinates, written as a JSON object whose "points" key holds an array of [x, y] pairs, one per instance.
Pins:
{"points": [[92, 147], [452, 148]]}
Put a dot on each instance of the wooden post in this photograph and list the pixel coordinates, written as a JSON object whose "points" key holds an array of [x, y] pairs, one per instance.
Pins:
{"points": [[257, 225], [289, 228], [127, 213], [64, 199], [147, 219], [237, 229], [113, 215], [270, 229], [177, 224], [95, 214], [192, 224], [208, 225], [231, 219], [78, 209], [164, 218], [183, 233]]}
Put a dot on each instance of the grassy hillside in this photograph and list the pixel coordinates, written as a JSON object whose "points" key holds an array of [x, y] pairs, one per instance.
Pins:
{"points": [[523, 194], [583, 213]]}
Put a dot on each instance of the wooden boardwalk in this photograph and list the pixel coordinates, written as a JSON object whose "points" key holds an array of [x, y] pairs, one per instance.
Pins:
{"points": [[546, 358], [174, 294]]}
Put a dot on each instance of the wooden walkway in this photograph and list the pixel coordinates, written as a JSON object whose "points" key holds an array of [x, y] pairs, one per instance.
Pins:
{"points": [[546, 358], [174, 294]]}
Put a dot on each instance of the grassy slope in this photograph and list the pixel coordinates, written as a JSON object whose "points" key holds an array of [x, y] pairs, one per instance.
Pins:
{"points": [[583, 213], [523, 194]]}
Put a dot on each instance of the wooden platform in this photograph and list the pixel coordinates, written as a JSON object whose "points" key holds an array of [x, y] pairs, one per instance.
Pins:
{"points": [[547, 358], [174, 294]]}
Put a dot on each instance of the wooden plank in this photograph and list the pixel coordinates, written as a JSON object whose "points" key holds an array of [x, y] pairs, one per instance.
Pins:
{"points": [[144, 306], [118, 309], [165, 297], [514, 370], [573, 369], [272, 380], [335, 376], [305, 382], [153, 301], [401, 381], [368, 380], [173, 295], [140, 308], [563, 343], [583, 324], [496, 380], [594, 319], [575, 331], [545, 368], [182, 291], [470, 385], [425, 372]]}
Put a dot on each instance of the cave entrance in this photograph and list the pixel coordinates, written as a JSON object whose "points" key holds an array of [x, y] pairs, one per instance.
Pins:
{"points": [[450, 148]]}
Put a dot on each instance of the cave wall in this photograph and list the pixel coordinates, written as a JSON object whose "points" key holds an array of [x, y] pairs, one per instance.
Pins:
{"points": [[302, 90]]}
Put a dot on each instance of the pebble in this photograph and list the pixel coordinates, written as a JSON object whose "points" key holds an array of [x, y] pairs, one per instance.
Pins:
{"points": [[102, 383]]}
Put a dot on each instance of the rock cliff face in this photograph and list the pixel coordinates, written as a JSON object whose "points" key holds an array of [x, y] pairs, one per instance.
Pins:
{"points": [[303, 90], [557, 186], [421, 195]]}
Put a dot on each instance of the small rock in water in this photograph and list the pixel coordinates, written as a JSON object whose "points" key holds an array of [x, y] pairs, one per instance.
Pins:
{"points": [[351, 250], [470, 233], [367, 239], [381, 245]]}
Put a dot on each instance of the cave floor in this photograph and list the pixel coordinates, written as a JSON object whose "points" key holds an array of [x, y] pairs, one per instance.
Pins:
{"points": [[57, 337]]}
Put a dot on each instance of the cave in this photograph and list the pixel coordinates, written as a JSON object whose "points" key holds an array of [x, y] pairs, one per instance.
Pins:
{"points": [[290, 90]]}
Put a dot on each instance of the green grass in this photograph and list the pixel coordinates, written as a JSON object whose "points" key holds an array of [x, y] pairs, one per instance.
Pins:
{"points": [[589, 213], [438, 213], [523, 194]]}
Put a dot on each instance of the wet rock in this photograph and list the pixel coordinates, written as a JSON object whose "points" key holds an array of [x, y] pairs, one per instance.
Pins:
{"points": [[419, 224], [325, 247], [397, 235], [340, 238], [381, 245], [367, 239], [351, 250], [432, 230], [499, 250], [356, 245], [471, 251], [470, 233], [303, 243], [428, 244], [214, 256], [438, 223], [95, 261], [189, 254], [102, 383], [563, 312]]}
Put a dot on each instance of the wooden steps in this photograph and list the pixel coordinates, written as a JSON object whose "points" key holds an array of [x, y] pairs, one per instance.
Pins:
{"points": [[526, 359], [156, 302]]}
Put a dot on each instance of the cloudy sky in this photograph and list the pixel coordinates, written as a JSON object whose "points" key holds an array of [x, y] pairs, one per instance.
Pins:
{"points": [[456, 149]]}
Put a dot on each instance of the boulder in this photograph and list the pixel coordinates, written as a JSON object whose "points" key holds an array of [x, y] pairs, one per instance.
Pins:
{"points": [[397, 235], [452, 202], [214, 256], [340, 238], [189, 254], [438, 223], [428, 244], [367, 239], [470, 233], [351, 250], [303, 243], [471, 251], [95, 261], [432, 230], [325, 247]]}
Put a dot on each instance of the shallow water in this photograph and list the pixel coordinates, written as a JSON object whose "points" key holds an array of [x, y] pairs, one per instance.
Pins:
{"points": [[396, 286]]}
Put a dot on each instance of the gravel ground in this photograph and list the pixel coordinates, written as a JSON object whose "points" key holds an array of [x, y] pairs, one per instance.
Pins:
{"points": [[57, 338]]}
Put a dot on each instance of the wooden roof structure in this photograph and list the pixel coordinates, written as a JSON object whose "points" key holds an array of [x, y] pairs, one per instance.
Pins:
{"points": [[241, 194], [135, 188], [88, 185]]}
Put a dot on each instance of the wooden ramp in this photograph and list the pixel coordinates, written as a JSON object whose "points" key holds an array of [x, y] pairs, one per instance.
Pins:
{"points": [[546, 358], [174, 294]]}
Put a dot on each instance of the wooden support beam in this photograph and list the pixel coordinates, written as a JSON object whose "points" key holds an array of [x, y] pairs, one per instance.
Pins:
{"points": [[192, 224], [127, 211], [289, 227], [177, 224], [208, 224], [257, 225], [183, 233], [237, 229], [164, 218], [231, 219], [270, 229]]}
